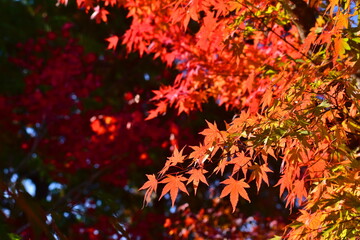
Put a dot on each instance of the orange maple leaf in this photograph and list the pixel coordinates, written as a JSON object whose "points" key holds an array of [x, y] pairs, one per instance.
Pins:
{"points": [[267, 98], [260, 174], [235, 188], [113, 41], [212, 134], [239, 122], [300, 190], [201, 153], [150, 186], [197, 175], [176, 158], [240, 162], [311, 220], [221, 166], [173, 184], [317, 168]]}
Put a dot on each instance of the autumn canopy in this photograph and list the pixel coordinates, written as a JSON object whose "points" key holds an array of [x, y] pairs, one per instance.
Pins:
{"points": [[288, 72]]}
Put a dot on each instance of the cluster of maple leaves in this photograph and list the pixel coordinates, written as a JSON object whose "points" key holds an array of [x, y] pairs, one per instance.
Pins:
{"points": [[295, 89]]}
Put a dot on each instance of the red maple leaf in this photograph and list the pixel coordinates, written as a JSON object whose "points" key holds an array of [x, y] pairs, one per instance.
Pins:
{"points": [[99, 14], [113, 41]]}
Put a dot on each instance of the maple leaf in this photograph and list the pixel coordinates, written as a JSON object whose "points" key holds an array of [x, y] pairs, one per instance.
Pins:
{"points": [[260, 174], [176, 158], [201, 153], [240, 162], [221, 8], [340, 47], [212, 134], [113, 41], [221, 166], [313, 221], [299, 190], [99, 14], [238, 122], [197, 175], [267, 98], [235, 188], [150, 186], [269, 150], [173, 185], [160, 109], [317, 168]]}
